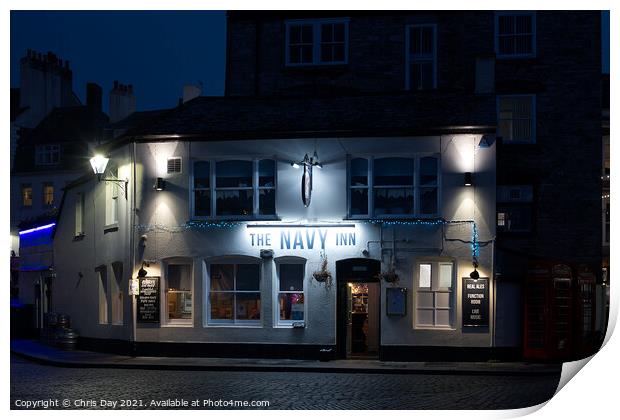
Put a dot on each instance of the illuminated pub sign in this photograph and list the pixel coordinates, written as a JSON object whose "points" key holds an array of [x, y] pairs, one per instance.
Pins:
{"points": [[476, 302], [302, 237]]}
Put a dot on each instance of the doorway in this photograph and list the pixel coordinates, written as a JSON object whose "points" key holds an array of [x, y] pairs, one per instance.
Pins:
{"points": [[359, 308]]}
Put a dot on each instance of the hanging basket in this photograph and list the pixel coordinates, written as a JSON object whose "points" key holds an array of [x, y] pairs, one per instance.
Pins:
{"points": [[323, 275], [390, 276]]}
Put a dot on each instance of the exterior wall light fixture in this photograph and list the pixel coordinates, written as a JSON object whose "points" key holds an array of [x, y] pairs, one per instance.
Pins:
{"points": [[160, 184], [99, 164], [468, 179]]}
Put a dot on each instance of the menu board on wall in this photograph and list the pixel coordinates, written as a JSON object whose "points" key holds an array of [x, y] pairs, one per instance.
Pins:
{"points": [[148, 300], [475, 302], [396, 301]]}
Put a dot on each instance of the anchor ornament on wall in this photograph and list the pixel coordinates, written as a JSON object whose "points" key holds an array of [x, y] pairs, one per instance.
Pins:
{"points": [[308, 164]]}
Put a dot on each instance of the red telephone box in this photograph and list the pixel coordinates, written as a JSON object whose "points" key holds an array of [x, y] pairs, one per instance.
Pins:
{"points": [[548, 312]]}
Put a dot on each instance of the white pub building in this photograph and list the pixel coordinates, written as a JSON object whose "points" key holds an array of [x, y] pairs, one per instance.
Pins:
{"points": [[292, 244]]}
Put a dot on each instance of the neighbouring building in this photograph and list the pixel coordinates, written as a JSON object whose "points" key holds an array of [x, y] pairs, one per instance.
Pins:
{"points": [[373, 183]]}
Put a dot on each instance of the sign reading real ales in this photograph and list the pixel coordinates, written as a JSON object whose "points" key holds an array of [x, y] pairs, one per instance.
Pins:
{"points": [[148, 299], [475, 302]]}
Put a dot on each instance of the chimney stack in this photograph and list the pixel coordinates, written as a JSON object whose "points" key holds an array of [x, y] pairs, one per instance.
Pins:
{"points": [[94, 93], [122, 101]]}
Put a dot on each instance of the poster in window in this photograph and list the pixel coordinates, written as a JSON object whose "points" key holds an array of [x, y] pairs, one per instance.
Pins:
{"points": [[396, 301], [475, 302], [148, 300]]}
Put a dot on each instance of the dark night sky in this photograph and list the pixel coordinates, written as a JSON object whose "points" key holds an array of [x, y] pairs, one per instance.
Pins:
{"points": [[157, 52]]}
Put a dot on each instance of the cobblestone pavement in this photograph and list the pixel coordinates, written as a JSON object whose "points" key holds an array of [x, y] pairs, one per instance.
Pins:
{"points": [[33, 382]]}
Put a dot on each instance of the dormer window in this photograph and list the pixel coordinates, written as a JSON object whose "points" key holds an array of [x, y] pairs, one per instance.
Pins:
{"points": [[48, 154], [316, 42]]}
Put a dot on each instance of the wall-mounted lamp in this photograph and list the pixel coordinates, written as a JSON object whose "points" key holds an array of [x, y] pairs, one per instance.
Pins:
{"points": [[142, 272], [468, 179], [474, 274], [160, 184], [99, 164]]}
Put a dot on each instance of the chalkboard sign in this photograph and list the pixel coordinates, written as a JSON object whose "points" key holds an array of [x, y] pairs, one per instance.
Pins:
{"points": [[148, 300], [396, 301], [475, 302]]}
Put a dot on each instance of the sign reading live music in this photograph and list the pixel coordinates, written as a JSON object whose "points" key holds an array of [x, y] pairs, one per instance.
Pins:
{"points": [[476, 302], [148, 300]]}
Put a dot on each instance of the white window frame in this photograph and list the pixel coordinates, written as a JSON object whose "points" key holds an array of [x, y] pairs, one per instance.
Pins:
{"points": [[232, 323], [532, 97], [112, 201], [164, 292], [316, 41], [497, 35], [255, 189], [411, 58], [416, 187], [290, 260], [45, 195], [47, 154], [435, 290]]}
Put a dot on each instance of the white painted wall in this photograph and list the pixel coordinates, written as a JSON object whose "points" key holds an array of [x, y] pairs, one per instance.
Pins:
{"points": [[161, 213]]}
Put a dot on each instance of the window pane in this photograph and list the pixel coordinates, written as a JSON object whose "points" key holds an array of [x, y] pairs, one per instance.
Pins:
{"points": [[291, 306], [428, 200], [327, 32], [291, 277], [339, 32], [359, 172], [425, 276], [523, 44], [445, 276], [327, 53], [221, 305], [202, 203], [425, 316], [506, 24], [393, 171], [248, 277], [393, 201], [306, 34], [306, 54], [248, 306], [338, 52], [222, 277], [442, 300], [425, 300], [421, 76], [179, 277], [267, 202], [428, 171], [524, 24], [442, 317], [179, 304], [294, 54], [233, 173], [201, 175], [359, 201], [266, 173], [506, 45], [234, 203]]}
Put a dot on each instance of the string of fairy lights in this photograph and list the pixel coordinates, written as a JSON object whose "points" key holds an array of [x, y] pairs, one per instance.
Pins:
{"points": [[201, 225]]}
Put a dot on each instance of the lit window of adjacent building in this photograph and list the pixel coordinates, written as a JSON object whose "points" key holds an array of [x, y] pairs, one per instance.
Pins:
{"points": [[48, 194], [516, 118], [242, 189], [179, 292], [434, 299], [79, 214], [316, 42], [27, 195], [112, 202], [515, 34], [394, 187], [290, 293], [48, 154], [514, 208], [234, 294], [421, 72]]}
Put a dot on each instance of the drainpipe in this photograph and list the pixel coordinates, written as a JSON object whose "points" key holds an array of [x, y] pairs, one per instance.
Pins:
{"points": [[133, 250]]}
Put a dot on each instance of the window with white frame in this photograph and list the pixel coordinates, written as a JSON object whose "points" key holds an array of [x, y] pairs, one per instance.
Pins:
{"points": [[79, 214], [290, 293], [434, 300], [394, 187], [234, 294], [516, 118], [316, 42], [421, 72], [48, 154], [515, 34], [112, 202], [48, 194], [179, 292], [242, 188]]}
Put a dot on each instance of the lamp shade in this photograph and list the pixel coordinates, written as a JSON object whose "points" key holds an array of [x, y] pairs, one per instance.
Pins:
{"points": [[99, 163]]}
